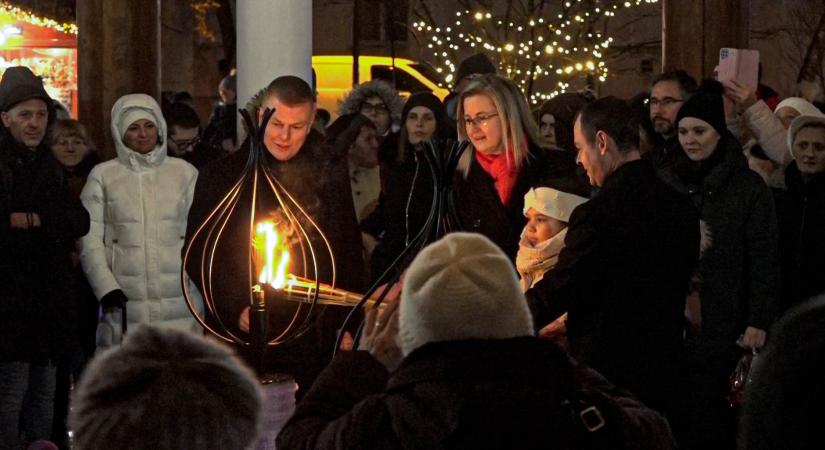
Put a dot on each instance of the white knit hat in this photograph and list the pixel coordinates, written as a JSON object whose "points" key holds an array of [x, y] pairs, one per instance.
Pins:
{"points": [[799, 122], [461, 287], [132, 115], [552, 203]]}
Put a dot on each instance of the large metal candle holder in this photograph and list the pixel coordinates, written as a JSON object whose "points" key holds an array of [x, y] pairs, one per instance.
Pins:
{"points": [[282, 260], [274, 274]]}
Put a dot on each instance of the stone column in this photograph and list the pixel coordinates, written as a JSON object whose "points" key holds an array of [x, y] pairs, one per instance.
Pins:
{"points": [[274, 39], [693, 31], [118, 53]]}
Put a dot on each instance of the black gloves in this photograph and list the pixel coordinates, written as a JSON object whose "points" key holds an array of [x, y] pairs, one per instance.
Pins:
{"points": [[114, 299]]}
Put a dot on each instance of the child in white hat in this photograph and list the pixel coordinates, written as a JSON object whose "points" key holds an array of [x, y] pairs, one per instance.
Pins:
{"points": [[548, 211]]}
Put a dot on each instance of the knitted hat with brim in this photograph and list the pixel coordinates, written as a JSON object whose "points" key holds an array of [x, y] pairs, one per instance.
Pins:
{"points": [[20, 84], [800, 122], [552, 202], [461, 287], [166, 389]]}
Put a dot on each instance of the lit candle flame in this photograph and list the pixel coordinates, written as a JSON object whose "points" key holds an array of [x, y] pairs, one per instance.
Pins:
{"points": [[271, 254]]}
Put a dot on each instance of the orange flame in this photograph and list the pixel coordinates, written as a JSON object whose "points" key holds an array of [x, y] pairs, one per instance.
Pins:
{"points": [[271, 255]]}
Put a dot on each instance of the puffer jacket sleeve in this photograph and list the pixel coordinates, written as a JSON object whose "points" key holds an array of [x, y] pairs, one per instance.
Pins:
{"points": [[341, 410], [93, 250], [762, 258], [769, 132]]}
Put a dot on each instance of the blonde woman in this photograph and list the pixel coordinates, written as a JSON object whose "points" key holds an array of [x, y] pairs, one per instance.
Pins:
{"points": [[506, 158]]}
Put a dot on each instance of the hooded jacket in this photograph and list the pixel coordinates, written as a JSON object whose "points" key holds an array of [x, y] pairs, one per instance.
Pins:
{"points": [[138, 206]]}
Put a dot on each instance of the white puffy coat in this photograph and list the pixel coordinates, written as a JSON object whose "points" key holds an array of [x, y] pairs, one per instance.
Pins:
{"points": [[138, 206]]}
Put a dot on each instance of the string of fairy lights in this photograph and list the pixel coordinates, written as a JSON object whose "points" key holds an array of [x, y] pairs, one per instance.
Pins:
{"points": [[21, 15], [559, 46]]}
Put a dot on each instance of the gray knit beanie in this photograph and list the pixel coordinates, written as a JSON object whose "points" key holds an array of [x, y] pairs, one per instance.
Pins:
{"points": [[166, 389], [461, 287]]}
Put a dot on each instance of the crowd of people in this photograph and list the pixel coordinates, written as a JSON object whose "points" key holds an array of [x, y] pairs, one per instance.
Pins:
{"points": [[617, 259]]}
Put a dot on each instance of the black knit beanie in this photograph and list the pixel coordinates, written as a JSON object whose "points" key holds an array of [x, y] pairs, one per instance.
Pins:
{"points": [[478, 63], [20, 84], [426, 100], [706, 104]]}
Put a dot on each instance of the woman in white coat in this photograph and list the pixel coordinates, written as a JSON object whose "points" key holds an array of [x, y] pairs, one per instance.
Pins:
{"points": [[138, 205]]}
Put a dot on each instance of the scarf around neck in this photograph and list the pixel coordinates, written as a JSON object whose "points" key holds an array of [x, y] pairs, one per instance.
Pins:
{"points": [[532, 262], [504, 171]]}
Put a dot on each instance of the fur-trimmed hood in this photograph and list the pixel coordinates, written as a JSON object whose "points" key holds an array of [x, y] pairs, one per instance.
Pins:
{"points": [[353, 100]]}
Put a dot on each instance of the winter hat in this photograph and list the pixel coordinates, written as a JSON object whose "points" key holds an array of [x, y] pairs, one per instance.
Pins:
{"points": [[706, 104], [424, 99], [344, 130], [802, 106], [799, 122], [432, 103], [476, 64], [461, 287], [374, 88], [131, 115], [166, 389], [20, 84], [552, 202]]}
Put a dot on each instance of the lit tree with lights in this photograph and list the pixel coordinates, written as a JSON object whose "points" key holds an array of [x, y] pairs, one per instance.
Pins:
{"points": [[551, 44]]}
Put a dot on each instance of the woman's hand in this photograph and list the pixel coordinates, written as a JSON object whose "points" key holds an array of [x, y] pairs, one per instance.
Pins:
{"points": [[380, 337], [754, 338], [742, 95]]}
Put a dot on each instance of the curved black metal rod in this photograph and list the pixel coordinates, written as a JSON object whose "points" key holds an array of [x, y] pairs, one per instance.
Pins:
{"points": [[442, 218]]}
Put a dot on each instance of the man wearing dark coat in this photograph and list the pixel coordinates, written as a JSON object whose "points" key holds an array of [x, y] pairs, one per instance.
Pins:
{"points": [[39, 220], [318, 179], [623, 274]]}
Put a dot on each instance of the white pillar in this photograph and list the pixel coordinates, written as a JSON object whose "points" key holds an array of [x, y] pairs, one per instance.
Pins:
{"points": [[274, 39]]}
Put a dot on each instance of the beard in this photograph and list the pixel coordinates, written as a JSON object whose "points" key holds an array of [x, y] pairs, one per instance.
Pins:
{"points": [[663, 127]]}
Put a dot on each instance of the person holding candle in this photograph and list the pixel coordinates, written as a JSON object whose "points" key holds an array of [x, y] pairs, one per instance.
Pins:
{"points": [[318, 179], [138, 203]]}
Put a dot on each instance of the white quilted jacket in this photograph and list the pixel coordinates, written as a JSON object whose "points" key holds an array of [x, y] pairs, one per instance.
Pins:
{"points": [[138, 206]]}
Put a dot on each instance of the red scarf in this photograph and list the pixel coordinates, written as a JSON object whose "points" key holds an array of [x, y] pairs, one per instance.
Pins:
{"points": [[502, 168]]}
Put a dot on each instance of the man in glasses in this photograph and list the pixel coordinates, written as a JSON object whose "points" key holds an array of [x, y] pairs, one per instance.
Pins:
{"points": [[668, 92], [378, 101], [185, 136]]}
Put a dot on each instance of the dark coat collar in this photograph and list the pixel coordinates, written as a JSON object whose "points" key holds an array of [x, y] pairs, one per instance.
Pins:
{"points": [[484, 359], [629, 172], [796, 184]]}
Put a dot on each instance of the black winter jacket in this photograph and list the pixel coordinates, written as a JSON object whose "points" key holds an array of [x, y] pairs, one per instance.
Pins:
{"points": [[479, 394], [37, 307], [740, 270], [801, 214], [623, 276]]}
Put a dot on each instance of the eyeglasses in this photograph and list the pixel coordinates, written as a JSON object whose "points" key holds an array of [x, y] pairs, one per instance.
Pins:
{"points": [[189, 143], [664, 102], [378, 108], [479, 120]]}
